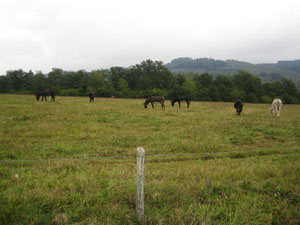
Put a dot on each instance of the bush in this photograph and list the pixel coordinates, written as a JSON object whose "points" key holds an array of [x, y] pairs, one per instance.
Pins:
{"points": [[158, 92], [23, 91], [237, 94], [103, 92], [251, 97], [266, 99], [152, 92], [179, 91], [70, 92]]}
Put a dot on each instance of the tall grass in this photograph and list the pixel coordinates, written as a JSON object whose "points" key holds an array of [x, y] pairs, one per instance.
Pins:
{"points": [[238, 170]]}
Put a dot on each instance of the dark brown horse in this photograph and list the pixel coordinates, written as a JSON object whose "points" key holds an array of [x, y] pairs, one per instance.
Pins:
{"points": [[91, 95], [180, 99], [46, 93], [153, 99], [238, 105]]}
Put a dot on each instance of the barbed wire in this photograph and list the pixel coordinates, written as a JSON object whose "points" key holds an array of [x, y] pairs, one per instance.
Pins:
{"points": [[147, 156]]}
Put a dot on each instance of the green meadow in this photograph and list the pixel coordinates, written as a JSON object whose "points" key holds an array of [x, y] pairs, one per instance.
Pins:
{"points": [[73, 162]]}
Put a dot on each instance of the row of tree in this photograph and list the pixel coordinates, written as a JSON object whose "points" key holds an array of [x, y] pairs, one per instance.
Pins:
{"points": [[150, 78]]}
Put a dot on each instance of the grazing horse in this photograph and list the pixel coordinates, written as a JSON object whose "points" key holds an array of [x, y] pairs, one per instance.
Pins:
{"points": [[91, 95], [276, 105], [238, 105], [152, 99], [179, 99], [46, 93]]}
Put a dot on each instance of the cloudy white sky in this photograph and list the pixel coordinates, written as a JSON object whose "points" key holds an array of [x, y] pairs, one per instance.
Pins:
{"points": [[95, 34]]}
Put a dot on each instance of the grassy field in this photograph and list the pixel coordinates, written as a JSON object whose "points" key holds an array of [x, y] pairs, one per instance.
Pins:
{"points": [[72, 162]]}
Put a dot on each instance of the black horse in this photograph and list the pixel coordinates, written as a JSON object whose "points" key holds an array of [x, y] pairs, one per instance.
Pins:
{"points": [[238, 105], [46, 93], [153, 99], [91, 95], [180, 99]]}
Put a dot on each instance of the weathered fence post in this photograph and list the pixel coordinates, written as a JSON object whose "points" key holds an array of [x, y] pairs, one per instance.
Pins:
{"points": [[140, 159]]}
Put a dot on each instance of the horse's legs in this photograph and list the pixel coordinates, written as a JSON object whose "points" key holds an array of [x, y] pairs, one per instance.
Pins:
{"points": [[179, 104], [162, 105], [46, 98], [187, 104], [273, 112], [279, 109], [152, 105]]}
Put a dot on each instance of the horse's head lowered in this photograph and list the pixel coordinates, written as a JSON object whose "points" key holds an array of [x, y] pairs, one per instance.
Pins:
{"points": [[145, 104], [38, 97], [173, 102]]}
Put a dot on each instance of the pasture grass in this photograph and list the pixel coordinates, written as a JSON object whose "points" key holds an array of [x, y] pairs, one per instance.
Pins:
{"points": [[72, 162]]}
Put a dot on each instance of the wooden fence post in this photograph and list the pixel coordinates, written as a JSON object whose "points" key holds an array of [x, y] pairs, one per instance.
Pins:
{"points": [[140, 159]]}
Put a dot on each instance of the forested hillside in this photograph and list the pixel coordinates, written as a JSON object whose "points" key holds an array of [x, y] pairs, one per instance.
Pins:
{"points": [[267, 72], [153, 78]]}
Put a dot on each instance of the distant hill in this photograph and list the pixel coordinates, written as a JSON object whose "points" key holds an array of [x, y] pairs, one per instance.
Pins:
{"points": [[268, 72]]}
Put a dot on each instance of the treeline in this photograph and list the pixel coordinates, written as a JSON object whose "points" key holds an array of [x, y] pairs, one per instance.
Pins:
{"points": [[150, 78]]}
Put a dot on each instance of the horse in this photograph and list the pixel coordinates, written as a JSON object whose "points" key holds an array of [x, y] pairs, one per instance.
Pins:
{"points": [[238, 105], [46, 93], [91, 95], [276, 105], [152, 99], [179, 99]]}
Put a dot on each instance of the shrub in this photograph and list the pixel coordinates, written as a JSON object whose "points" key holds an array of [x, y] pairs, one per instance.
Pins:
{"points": [[70, 92], [266, 99]]}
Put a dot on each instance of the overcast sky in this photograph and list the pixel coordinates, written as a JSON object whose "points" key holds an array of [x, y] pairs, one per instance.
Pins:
{"points": [[95, 34]]}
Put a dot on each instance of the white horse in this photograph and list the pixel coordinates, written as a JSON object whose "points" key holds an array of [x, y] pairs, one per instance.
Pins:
{"points": [[276, 105]]}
